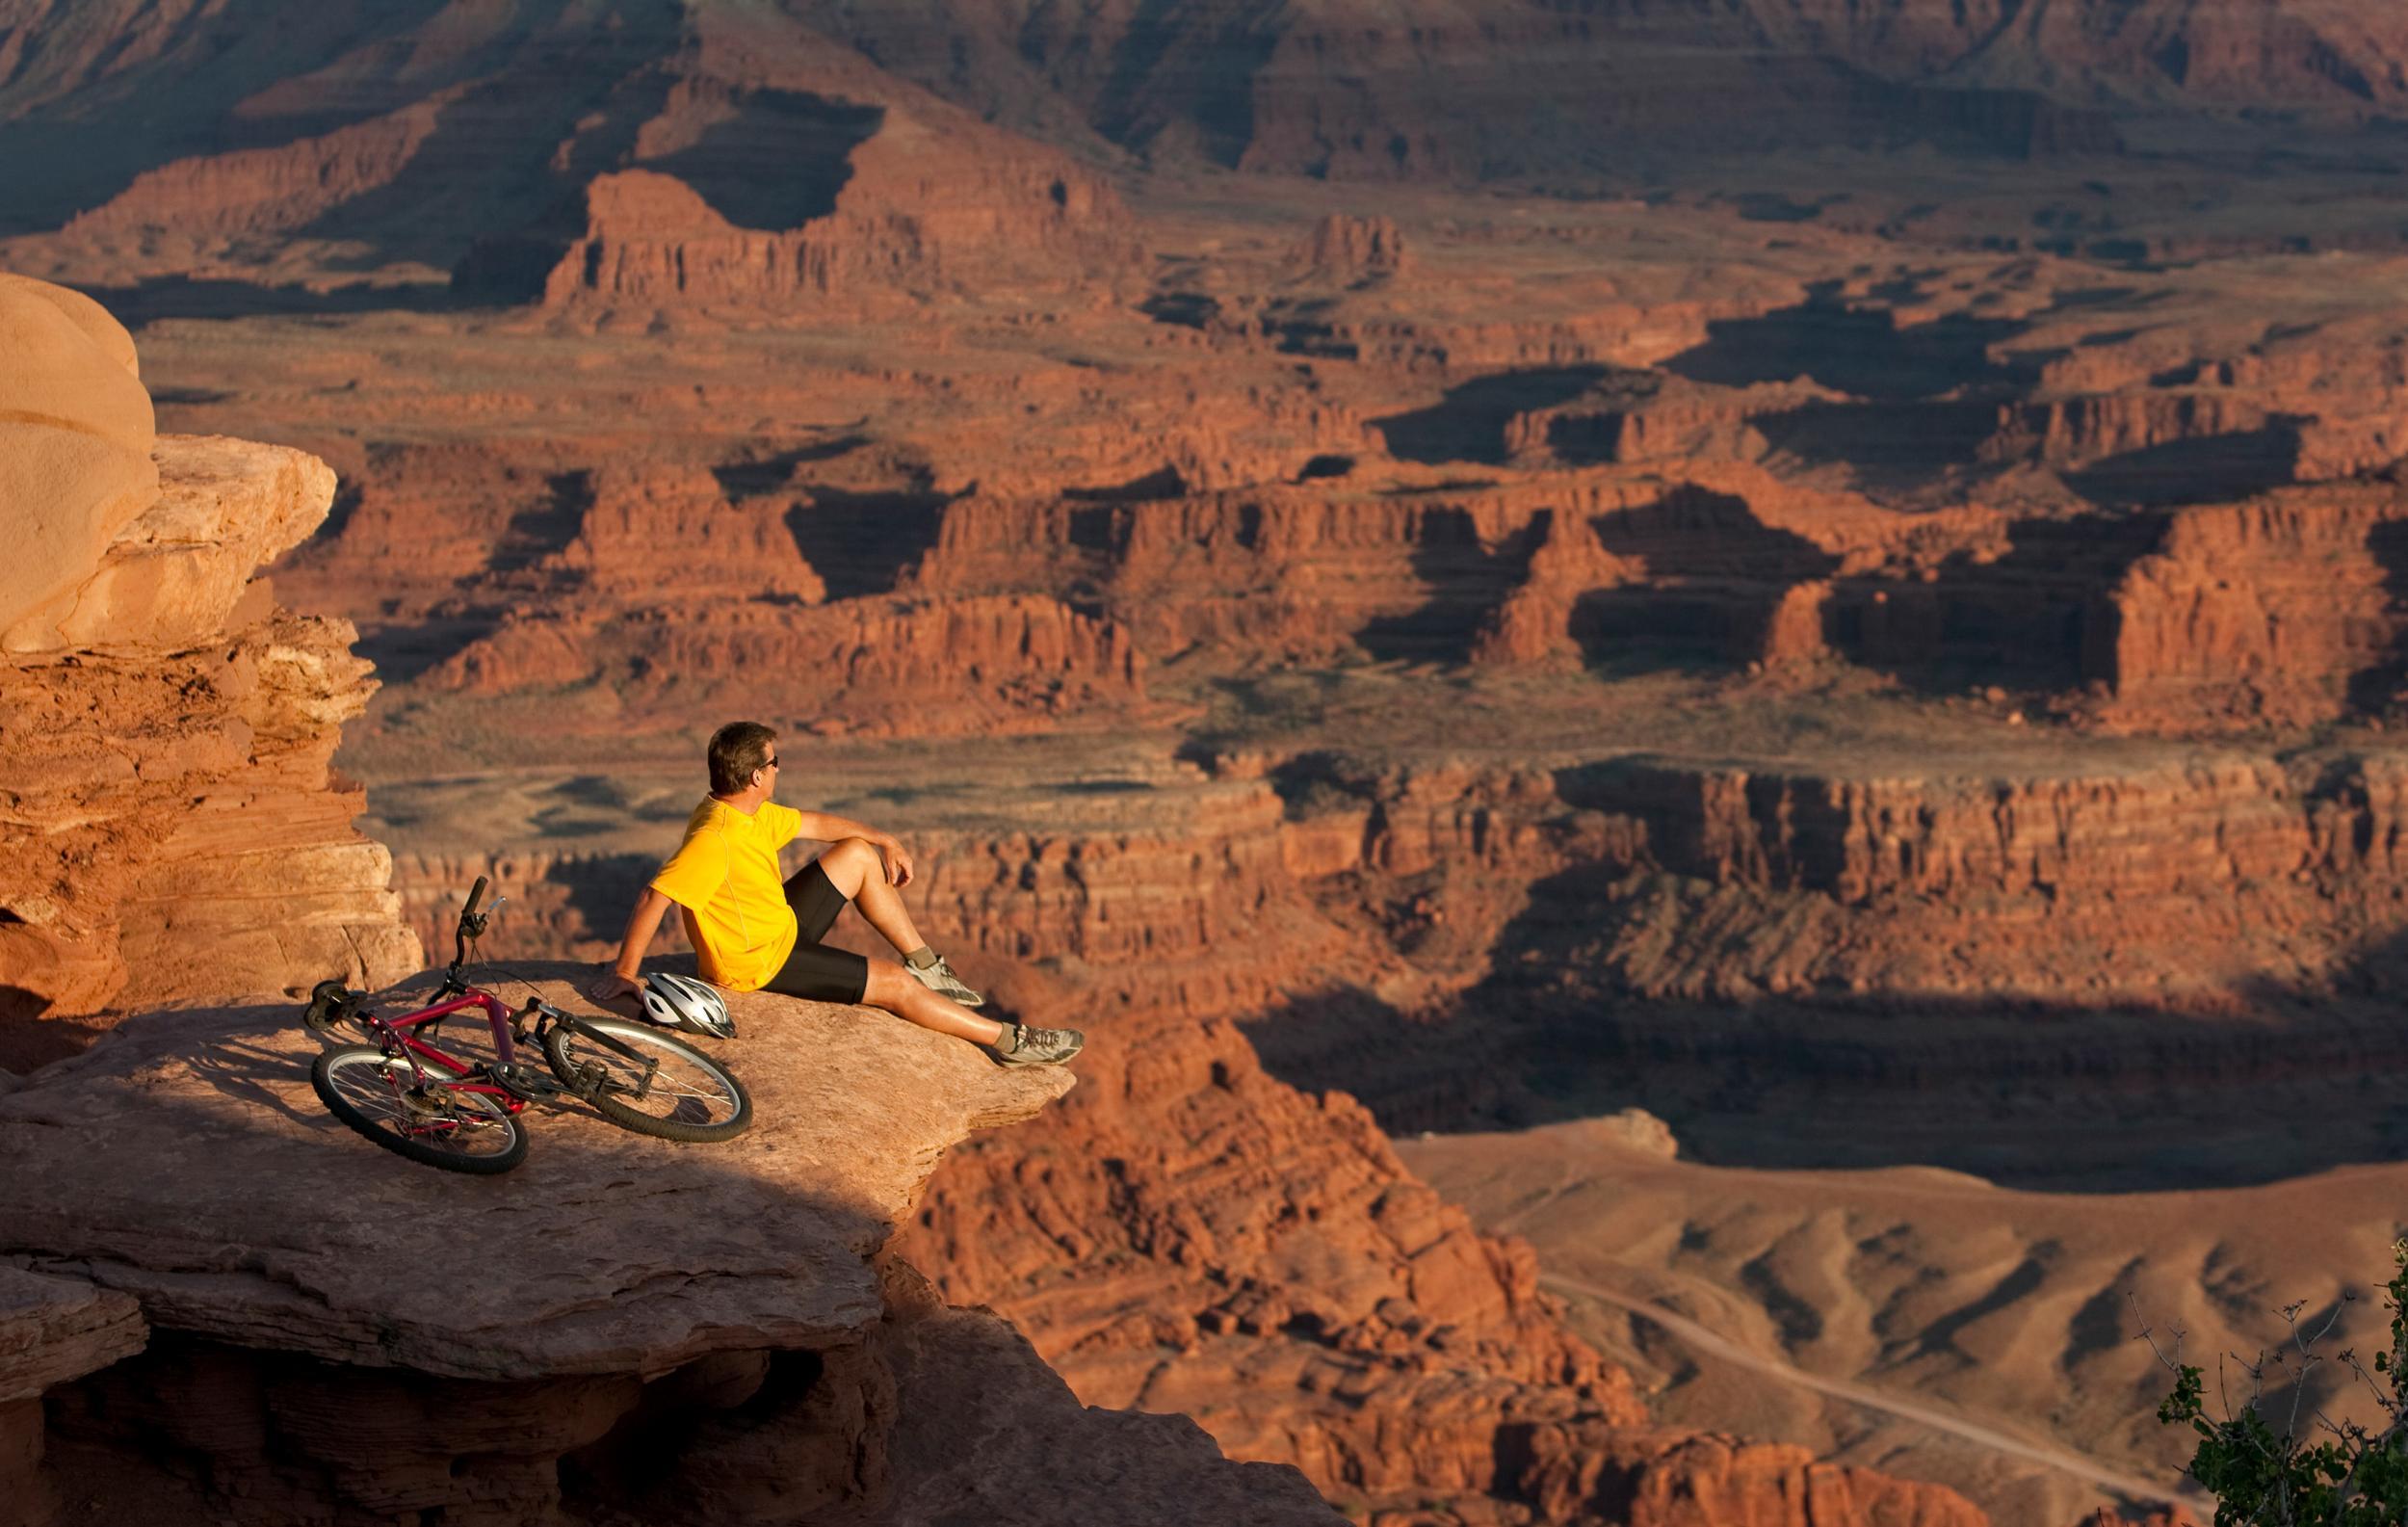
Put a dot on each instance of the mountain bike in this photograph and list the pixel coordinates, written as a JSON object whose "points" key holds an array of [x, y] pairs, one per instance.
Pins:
{"points": [[408, 1094]]}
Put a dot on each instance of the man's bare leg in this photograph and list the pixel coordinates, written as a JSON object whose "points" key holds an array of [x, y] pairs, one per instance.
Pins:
{"points": [[854, 867], [892, 988]]}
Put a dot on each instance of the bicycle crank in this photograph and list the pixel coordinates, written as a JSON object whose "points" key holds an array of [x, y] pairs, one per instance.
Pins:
{"points": [[524, 1083]]}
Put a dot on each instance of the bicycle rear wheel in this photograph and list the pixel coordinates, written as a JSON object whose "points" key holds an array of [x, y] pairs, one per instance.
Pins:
{"points": [[435, 1125], [688, 1096]]}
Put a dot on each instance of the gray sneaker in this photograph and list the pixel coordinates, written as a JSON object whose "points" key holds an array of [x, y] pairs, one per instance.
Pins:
{"points": [[938, 977], [1022, 1045]]}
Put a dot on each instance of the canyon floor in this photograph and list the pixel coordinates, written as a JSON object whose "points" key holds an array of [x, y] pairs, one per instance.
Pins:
{"points": [[1923, 1320]]}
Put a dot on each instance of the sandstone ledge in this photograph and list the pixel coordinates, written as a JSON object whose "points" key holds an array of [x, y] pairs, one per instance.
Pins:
{"points": [[52, 1330], [185, 1161]]}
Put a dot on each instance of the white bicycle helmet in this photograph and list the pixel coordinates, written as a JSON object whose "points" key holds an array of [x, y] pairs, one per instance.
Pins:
{"points": [[681, 1002]]}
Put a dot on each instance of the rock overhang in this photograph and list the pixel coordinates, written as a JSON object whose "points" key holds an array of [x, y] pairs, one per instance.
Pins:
{"points": [[185, 1161], [53, 1329]]}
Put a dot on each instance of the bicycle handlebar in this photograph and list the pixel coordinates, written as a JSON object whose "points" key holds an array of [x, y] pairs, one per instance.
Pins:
{"points": [[471, 925]]}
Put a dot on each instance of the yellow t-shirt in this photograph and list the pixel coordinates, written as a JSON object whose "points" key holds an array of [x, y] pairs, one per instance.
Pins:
{"points": [[725, 879]]}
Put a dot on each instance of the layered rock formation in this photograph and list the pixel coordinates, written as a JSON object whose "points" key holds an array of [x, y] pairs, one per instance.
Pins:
{"points": [[650, 240], [875, 667], [173, 827], [1426, 89], [726, 1344], [1257, 1259], [674, 536], [2278, 611], [622, 157], [1776, 559], [1596, 564], [1348, 250], [2286, 611], [2042, 886]]}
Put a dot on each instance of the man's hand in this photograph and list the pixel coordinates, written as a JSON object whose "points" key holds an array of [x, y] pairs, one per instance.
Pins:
{"points": [[898, 863], [612, 986]]}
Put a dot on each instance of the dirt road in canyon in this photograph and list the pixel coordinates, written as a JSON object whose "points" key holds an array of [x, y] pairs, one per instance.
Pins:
{"points": [[2132, 1488]]}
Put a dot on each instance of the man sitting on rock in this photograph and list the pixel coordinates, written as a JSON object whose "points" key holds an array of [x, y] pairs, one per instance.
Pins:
{"points": [[753, 932]]}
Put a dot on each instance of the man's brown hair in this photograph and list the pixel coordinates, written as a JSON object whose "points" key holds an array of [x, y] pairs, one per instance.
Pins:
{"points": [[736, 750]]}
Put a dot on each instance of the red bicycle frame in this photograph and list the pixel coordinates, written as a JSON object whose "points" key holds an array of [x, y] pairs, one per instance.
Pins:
{"points": [[402, 1032]]}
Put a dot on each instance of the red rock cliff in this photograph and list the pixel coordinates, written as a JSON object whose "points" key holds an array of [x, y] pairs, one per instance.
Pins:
{"points": [[169, 824]]}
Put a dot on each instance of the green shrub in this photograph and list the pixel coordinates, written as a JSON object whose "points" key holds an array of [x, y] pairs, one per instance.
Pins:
{"points": [[2330, 1474]]}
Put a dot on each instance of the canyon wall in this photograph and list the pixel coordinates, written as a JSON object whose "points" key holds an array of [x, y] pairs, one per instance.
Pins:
{"points": [[621, 159], [521, 567], [174, 829], [2286, 611], [337, 128], [2282, 610], [1425, 91]]}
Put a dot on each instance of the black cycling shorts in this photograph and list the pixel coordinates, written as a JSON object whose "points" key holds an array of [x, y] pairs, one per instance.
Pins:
{"points": [[813, 971]]}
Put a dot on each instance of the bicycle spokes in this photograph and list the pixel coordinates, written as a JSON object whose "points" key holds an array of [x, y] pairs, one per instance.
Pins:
{"points": [[429, 1120], [418, 1108]]}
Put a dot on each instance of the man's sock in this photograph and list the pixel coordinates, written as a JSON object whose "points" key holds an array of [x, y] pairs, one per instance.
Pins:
{"points": [[921, 958]]}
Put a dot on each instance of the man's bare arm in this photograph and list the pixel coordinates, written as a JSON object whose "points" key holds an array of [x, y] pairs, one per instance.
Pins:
{"points": [[642, 924], [822, 826], [826, 826]]}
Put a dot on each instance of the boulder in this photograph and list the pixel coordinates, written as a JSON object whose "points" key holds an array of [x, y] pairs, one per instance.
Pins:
{"points": [[76, 431]]}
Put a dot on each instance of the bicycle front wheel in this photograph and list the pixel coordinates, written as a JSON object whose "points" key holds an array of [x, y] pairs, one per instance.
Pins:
{"points": [[382, 1096], [674, 1092]]}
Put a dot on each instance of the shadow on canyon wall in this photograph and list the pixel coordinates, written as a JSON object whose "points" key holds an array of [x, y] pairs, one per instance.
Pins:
{"points": [[2381, 685], [1716, 575], [1469, 424], [777, 161], [2212, 468], [1462, 579], [2025, 1092], [2038, 617], [863, 544], [146, 302], [1862, 351]]}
